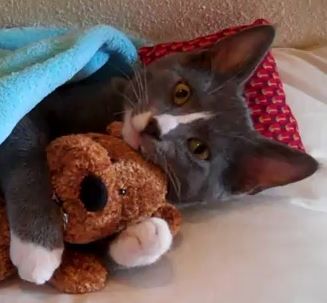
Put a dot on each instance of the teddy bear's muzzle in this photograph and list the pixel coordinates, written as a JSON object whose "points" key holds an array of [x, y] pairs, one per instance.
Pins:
{"points": [[93, 194]]}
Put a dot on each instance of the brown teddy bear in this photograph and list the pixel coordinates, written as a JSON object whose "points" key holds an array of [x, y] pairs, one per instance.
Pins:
{"points": [[103, 187]]}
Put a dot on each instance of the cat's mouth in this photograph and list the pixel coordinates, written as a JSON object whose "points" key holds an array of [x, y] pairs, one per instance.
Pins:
{"points": [[147, 147], [133, 132]]}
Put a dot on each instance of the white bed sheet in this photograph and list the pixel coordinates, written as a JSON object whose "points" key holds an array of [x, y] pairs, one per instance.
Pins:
{"points": [[268, 248]]}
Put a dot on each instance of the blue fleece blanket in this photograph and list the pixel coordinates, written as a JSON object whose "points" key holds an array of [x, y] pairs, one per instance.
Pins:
{"points": [[35, 61]]}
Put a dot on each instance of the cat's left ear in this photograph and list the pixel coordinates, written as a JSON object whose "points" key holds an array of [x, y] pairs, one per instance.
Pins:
{"points": [[238, 55]]}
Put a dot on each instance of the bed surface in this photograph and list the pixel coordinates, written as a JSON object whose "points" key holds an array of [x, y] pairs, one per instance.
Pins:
{"points": [[268, 248]]}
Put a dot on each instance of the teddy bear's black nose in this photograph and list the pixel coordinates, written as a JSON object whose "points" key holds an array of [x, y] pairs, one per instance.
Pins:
{"points": [[93, 194]]}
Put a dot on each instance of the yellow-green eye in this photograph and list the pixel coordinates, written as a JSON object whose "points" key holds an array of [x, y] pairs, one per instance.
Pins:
{"points": [[199, 149], [181, 93]]}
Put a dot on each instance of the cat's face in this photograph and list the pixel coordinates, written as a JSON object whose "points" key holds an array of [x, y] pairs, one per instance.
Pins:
{"points": [[186, 113]]}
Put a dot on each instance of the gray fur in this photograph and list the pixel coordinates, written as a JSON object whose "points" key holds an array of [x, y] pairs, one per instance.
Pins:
{"points": [[24, 177], [83, 107], [229, 133]]}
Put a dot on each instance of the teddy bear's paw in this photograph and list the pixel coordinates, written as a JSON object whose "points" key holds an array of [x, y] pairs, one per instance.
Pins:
{"points": [[141, 244], [35, 263]]}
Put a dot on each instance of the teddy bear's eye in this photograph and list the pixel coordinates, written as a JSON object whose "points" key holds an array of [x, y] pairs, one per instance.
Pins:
{"points": [[123, 191]]}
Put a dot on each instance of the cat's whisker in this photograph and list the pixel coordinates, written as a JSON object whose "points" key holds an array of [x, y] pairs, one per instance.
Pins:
{"points": [[146, 93], [135, 92], [124, 73], [132, 104], [213, 91], [129, 77], [142, 89], [135, 89], [120, 112], [177, 182], [171, 176], [138, 85]]}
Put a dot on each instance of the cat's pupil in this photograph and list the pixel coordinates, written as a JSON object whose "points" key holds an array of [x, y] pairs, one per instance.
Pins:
{"points": [[200, 148], [181, 93]]}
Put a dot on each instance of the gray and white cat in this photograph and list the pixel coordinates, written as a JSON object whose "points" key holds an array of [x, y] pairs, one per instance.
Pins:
{"points": [[185, 112]]}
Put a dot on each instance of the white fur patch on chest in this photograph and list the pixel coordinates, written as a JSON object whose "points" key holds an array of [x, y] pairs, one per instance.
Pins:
{"points": [[168, 122]]}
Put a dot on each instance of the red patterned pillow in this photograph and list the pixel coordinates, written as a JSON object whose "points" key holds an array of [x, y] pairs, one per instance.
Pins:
{"points": [[264, 93]]}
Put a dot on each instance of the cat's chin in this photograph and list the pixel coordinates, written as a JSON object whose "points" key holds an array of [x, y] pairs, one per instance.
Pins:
{"points": [[132, 139], [140, 142], [147, 148]]}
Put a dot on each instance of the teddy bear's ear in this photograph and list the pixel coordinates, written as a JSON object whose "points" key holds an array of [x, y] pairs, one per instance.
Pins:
{"points": [[76, 163], [115, 129]]}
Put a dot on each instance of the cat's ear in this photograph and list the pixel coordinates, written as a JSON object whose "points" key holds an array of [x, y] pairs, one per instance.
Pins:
{"points": [[263, 163], [238, 55]]}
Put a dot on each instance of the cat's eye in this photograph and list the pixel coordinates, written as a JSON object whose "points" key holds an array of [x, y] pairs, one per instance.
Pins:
{"points": [[181, 93], [199, 149]]}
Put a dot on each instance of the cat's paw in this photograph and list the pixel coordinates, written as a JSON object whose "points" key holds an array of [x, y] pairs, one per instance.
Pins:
{"points": [[141, 244], [35, 263]]}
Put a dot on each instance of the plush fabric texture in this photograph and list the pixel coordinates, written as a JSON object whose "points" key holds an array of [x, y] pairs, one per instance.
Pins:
{"points": [[35, 61], [264, 92], [135, 190]]}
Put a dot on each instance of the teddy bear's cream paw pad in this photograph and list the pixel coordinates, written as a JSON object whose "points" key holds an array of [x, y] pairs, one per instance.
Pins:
{"points": [[141, 244], [35, 263]]}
